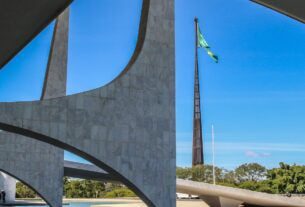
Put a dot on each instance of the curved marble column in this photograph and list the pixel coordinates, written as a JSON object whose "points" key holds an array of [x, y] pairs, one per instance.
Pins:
{"points": [[38, 164], [8, 184], [126, 127]]}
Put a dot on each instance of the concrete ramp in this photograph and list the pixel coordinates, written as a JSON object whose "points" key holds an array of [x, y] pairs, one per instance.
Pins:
{"points": [[87, 171], [222, 193], [22, 20]]}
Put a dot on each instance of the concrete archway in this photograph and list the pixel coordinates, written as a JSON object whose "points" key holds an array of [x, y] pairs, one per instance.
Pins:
{"points": [[78, 152]]}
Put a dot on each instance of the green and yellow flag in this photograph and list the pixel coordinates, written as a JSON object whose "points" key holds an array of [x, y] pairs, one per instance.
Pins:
{"points": [[203, 43]]}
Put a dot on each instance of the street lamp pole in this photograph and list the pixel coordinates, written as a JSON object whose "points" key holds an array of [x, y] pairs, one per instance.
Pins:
{"points": [[213, 149]]}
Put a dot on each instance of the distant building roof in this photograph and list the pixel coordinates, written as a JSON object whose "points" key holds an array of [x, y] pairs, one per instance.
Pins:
{"points": [[292, 8], [22, 20]]}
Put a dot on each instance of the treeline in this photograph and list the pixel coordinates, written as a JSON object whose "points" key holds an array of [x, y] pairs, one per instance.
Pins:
{"points": [[283, 179], [77, 188]]}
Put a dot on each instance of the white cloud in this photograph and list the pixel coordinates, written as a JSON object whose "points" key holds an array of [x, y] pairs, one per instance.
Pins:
{"points": [[250, 153], [265, 154]]}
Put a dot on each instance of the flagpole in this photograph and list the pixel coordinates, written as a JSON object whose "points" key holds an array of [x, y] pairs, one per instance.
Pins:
{"points": [[196, 44], [198, 158], [213, 149], [194, 151], [196, 41]]}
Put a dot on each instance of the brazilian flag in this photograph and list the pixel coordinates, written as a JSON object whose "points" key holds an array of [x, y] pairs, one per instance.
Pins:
{"points": [[203, 43]]}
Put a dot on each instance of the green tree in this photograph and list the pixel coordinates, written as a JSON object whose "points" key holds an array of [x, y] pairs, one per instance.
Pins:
{"points": [[118, 193], [183, 173], [22, 191], [250, 172], [201, 173], [287, 178], [228, 178]]}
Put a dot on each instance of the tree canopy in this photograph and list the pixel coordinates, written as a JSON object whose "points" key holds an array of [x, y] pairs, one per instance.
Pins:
{"points": [[78, 188]]}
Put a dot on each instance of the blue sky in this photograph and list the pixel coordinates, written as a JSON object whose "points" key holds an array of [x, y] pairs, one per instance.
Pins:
{"points": [[255, 95]]}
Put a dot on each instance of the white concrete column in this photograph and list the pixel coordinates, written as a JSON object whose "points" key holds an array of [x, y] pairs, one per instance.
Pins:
{"points": [[8, 184]]}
